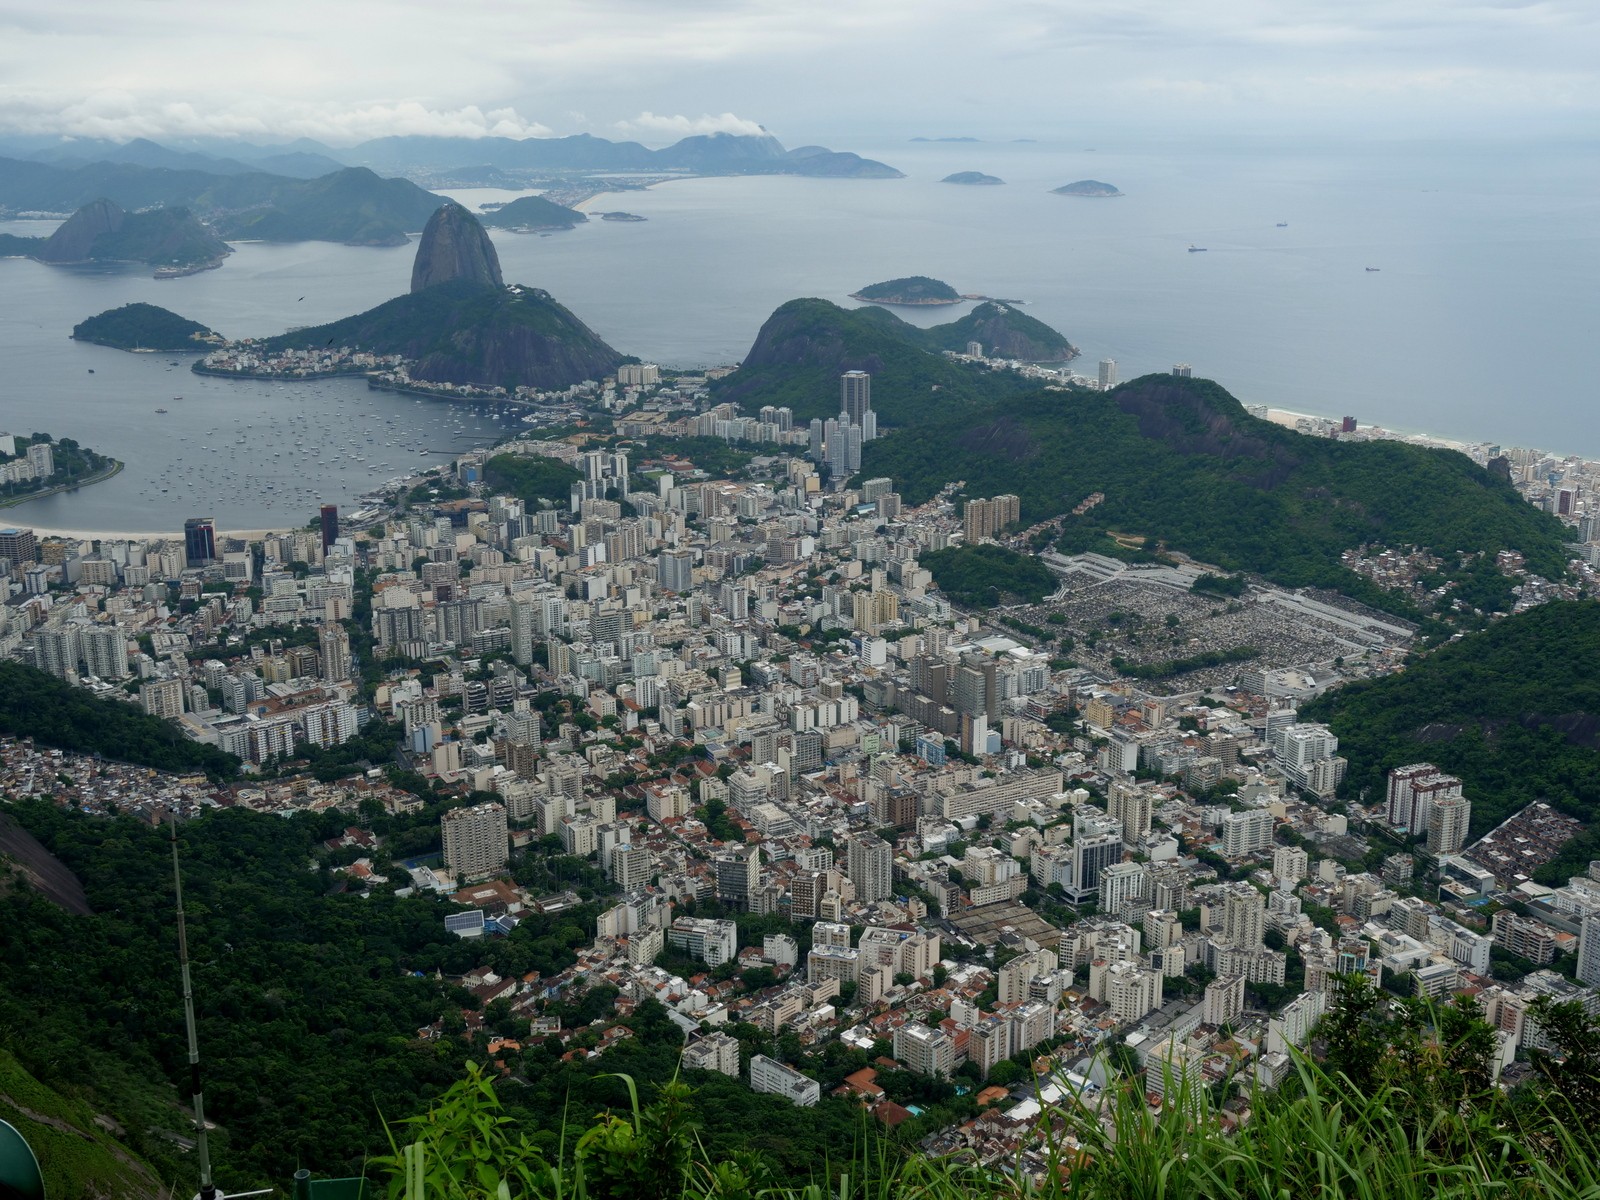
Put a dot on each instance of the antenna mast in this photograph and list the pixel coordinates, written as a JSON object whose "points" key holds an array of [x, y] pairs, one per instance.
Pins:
{"points": [[208, 1190]]}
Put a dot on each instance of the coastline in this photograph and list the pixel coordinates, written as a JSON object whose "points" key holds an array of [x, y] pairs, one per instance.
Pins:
{"points": [[18, 501], [176, 535]]}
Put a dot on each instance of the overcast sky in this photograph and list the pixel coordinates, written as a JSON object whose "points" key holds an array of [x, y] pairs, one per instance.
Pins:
{"points": [[653, 70]]}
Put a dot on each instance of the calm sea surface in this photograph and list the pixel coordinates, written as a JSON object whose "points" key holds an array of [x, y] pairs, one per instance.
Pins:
{"points": [[1479, 323]]}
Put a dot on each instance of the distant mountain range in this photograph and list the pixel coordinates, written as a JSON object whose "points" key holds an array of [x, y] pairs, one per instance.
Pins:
{"points": [[308, 192], [487, 158], [707, 154], [352, 205]]}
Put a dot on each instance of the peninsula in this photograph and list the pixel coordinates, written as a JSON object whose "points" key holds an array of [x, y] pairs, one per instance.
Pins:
{"points": [[460, 330], [973, 179], [913, 290], [40, 465], [1090, 188]]}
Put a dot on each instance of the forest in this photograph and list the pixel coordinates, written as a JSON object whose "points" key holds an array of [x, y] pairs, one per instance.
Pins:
{"points": [[1179, 461], [1512, 710], [805, 345], [982, 576], [54, 713], [530, 478], [309, 998]]}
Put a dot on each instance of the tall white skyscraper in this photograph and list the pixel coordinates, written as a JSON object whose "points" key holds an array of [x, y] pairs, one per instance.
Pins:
{"points": [[1108, 373]]}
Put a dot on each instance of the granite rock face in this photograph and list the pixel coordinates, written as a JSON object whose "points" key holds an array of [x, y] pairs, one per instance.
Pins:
{"points": [[455, 246], [74, 241]]}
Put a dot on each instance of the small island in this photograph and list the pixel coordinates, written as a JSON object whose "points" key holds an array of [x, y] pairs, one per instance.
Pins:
{"points": [[973, 179], [1091, 188], [532, 212], [144, 328], [912, 290], [621, 216]]}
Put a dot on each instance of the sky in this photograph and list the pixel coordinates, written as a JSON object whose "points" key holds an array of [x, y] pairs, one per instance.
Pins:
{"points": [[655, 70]]}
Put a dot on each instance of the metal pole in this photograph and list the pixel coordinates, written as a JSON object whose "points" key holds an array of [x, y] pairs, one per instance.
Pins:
{"points": [[208, 1190]]}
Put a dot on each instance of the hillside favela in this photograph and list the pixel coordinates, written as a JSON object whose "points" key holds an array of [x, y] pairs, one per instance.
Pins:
{"points": [[1023, 622]]}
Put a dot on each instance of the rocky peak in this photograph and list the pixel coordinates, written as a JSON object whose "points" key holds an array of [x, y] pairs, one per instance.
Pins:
{"points": [[73, 241], [454, 246]]}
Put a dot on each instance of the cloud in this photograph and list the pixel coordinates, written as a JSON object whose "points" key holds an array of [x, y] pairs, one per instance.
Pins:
{"points": [[680, 126], [120, 116]]}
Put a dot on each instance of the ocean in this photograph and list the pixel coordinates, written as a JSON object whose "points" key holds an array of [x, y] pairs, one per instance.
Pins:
{"points": [[1477, 325]]}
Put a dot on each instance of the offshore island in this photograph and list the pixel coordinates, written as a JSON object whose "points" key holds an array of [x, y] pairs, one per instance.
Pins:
{"points": [[912, 290], [1091, 189], [973, 179]]}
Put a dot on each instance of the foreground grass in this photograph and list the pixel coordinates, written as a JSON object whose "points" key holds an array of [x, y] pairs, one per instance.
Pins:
{"points": [[1317, 1138]]}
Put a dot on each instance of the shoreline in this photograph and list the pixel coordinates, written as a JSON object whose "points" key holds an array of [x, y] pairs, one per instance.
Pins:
{"points": [[175, 535], [18, 501]]}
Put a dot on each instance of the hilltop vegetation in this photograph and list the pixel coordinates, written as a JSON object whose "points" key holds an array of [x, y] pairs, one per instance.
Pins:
{"points": [[468, 332], [142, 327], [1180, 461], [805, 345], [913, 289], [1512, 710], [54, 713], [530, 477], [533, 212], [1004, 332], [985, 575]]}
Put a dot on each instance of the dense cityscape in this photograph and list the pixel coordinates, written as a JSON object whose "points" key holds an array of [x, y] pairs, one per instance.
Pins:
{"points": [[813, 801]]}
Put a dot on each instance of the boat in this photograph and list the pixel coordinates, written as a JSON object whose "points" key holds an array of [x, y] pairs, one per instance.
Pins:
{"points": [[1374, 268], [1283, 224], [161, 410], [1197, 249]]}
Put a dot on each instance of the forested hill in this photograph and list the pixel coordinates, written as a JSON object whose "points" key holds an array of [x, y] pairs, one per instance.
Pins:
{"points": [[463, 331], [1181, 462], [805, 345], [36, 705], [1512, 710]]}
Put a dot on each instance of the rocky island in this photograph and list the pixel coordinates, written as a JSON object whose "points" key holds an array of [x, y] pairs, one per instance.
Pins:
{"points": [[145, 327], [915, 290], [973, 179], [172, 240], [1091, 188]]}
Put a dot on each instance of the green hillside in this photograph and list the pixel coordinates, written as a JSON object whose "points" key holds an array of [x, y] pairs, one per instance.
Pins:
{"points": [[1512, 710], [1004, 333], [468, 332], [353, 206], [143, 327], [805, 345], [1180, 461], [982, 576], [913, 289], [77, 1157], [54, 713], [530, 478]]}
